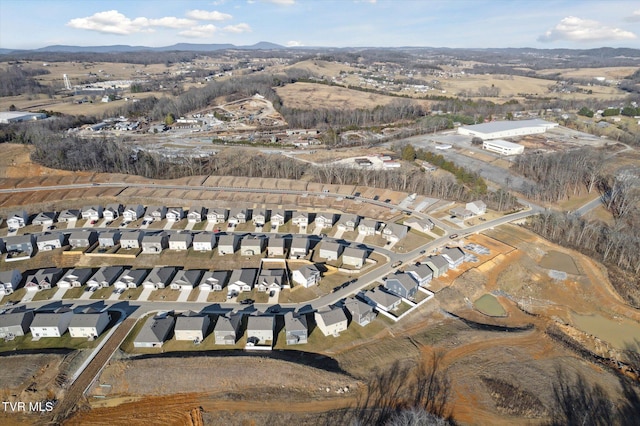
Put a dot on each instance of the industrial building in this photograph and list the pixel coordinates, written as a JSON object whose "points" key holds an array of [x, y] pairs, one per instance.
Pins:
{"points": [[503, 147], [7, 117], [506, 129]]}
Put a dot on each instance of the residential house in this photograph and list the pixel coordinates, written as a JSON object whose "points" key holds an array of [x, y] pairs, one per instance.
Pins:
{"points": [[358, 311], [331, 321], [421, 273], [154, 332], [131, 239], [204, 241], [76, 277], [192, 326], [51, 324], [155, 213], [43, 279], [270, 280], [154, 244], [353, 257], [105, 276], [175, 214], [453, 255], [306, 276], [46, 242], [133, 212], [186, 279], [9, 281], [69, 215], [196, 213], [214, 280], [109, 239], [251, 245], [130, 278], [330, 251], [19, 244], [401, 284], [275, 247], [217, 215], [89, 325], [92, 212], [227, 244], [299, 248], [159, 277], [420, 225], [477, 207], [17, 219], [43, 219], [367, 227], [260, 217], [180, 241], [348, 222], [83, 238], [241, 280], [461, 213], [296, 330], [15, 323], [438, 264], [324, 220], [394, 232], [260, 329], [238, 216], [278, 218], [227, 329], [382, 300], [300, 218], [112, 212]]}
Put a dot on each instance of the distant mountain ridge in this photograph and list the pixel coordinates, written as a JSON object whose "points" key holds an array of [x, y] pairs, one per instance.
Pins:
{"points": [[119, 48]]}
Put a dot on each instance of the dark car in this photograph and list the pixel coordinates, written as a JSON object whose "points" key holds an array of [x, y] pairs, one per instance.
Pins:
{"points": [[247, 302]]}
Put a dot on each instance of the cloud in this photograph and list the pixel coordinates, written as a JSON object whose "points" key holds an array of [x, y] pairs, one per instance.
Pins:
{"points": [[294, 43], [201, 31], [238, 28], [203, 15], [635, 17], [280, 2], [577, 29], [114, 22]]}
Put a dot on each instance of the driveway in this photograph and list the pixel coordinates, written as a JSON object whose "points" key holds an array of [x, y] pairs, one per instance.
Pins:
{"points": [[184, 295], [202, 296], [58, 295], [144, 296], [28, 296]]}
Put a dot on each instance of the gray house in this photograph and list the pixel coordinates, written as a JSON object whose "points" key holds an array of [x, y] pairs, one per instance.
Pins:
{"points": [[9, 281], [105, 276], [214, 280], [50, 324], [133, 212], [270, 279], [251, 246], [437, 264], [260, 329], [155, 213], [130, 278], [358, 311], [421, 273], [68, 215], [227, 244], [454, 256], [154, 244], [275, 247], [260, 217], [402, 285], [300, 218], [175, 214], [241, 280], [331, 321], [217, 215], [89, 325], [92, 212], [381, 299], [348, 222], [109, 239], [154, 332], [131, 239], [367, 227], [46, 242], [192, 326], [394, 232], [186, 279], [17, 219], [227, 329], [237, 216], [112, 212], [204, 241], [278, 217], [43, 279], [324, 220], [196, 213], [299, 248], [159, 277], [330, 251], [353, 257], [19, 244], [296, 329], [180, 241], [15, 323], [83, 238], [44, 219], [75, 277]]}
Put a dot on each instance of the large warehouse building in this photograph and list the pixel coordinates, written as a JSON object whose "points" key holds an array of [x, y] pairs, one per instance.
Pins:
{"points": [[506, 129], [503, 147], [17, 116]]}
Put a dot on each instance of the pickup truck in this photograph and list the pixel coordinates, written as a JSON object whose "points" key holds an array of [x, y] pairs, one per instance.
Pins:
{"points": [[396, 264]]}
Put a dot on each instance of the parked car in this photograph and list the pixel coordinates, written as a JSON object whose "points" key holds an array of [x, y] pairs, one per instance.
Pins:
{"points": [[247, 302], [453, 236]]}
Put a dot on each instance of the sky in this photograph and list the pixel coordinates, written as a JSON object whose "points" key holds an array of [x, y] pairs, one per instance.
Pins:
{"points": [[581, 24]]}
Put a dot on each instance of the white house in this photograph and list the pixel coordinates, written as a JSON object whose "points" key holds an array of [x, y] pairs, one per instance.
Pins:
{"points": [[478, 207], [159, 277], [251, 245], [330, 251], [186, 279], [133, 212], [204, 241], [420, 225], [217, 215], [92, 212], [332, 321], [43, 219], [260, 329], [131, 240], [175, 214], [192, 326], [277, 218], [421, 273], [130, 278], [454, 256], [155, 213], [227, 244], [68, 215], [76, 277], [270, 279], [180, 241], [9, 281], [46, 242], [348, 222], [50, 324], [238, 216], [324, 220], [89, 325], [112, 212], [275, 247], [367, 227], [394, 232], [259, 217], [306, 276], [214, 280], [299, 248], [105, 276], [17, 219], [241, 280], [300, 218], [353, 257], [195, 215]]}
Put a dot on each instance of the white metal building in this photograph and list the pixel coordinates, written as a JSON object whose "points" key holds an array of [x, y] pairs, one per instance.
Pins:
{"points": [[18, 116], [503, 147], [506, 129]]}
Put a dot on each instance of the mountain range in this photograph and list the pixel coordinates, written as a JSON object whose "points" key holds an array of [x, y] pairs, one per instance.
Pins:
{"points": [[183, 47]]}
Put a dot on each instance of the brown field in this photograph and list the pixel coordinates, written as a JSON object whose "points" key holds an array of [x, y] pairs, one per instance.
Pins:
{"points": [[613, 73]]}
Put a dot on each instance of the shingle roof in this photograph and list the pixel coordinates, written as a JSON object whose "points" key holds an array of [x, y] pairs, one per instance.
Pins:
{"points": [[332, 316]]}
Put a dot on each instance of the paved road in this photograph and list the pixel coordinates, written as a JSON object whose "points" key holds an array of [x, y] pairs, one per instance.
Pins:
{"points": [[588, 207]]}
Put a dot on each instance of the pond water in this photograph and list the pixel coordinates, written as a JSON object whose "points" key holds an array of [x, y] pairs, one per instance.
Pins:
{"points": [[489, 305], [622, 334], [560, 262]]}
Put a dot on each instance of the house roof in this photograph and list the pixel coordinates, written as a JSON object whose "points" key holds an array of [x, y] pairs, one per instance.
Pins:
{"points": [[7, 276], [460, 211], [368, 223], [79, 274], [44, 216], [94, 208], [189, 276], [18, 240], [203, 237], [81, 235], [277, 212], [295, 323], [196, 209], [156, 330], [47, 319], [479, 203], [161, 274], [227, 240], [357, 307], [153, 239], [111, 235], [131, 235], [325, 216], [395, 229], [49, 274], [438, 261], [55, 236], [348, 218], [87, 320], [453, 253], [114, 207], [133, 275], [236, 212], [191, 322], [332, 316], [276, 242], [212, 277], [14, 317], [421, 270], [251, 241], [308, 270], [217, 211], [406, 281], [245, 276], [300, 243], [260, 323], [354, 252], [300, 215], [185, 238], [329, 246], [107, 274], [501, 126], [228, 324], [69, 214], [382, 297]]}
